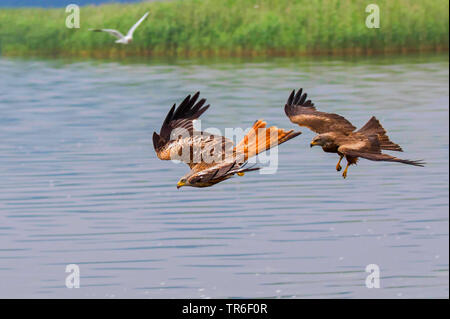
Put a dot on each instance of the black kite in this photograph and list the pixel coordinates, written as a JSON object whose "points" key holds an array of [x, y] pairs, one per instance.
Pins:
{"points": [[337, 135]]}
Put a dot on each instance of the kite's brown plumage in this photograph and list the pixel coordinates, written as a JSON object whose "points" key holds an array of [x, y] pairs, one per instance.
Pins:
{"points": [[338, 135]]}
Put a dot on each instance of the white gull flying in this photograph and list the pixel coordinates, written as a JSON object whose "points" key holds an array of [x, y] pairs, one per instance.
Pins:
{"points": [[121, 38]]}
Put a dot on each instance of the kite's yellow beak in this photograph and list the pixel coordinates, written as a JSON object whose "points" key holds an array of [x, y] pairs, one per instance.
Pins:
{"points": [[180, 184], [313, 144]]}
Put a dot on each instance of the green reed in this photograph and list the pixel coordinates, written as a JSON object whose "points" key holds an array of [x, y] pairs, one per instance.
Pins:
{"points": [[231, 27]]}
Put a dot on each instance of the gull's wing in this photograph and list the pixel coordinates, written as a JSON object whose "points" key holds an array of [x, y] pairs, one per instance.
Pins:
{"points": [[130, 32], [302, 112], [113, 32]]}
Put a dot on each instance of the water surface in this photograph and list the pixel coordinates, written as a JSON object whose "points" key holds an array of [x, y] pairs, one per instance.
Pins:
{"points": [[81, 183]]}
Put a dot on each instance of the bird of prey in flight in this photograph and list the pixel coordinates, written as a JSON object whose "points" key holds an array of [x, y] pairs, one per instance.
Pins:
{"points": [[337, 135], [211, 158], [121, 38]]}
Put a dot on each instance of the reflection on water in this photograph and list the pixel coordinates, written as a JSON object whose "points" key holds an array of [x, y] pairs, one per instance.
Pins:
{"points": [[81, 183]]}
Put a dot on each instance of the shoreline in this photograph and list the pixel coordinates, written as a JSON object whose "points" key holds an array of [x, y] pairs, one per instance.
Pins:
{"points": [[125, 53]]}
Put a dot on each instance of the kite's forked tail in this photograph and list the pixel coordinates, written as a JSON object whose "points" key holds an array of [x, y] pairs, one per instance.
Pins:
{"points": [[261, 138]]}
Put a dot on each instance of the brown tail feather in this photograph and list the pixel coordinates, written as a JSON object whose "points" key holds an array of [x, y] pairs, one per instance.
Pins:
{"points": [[260, 139], [373, 127]]}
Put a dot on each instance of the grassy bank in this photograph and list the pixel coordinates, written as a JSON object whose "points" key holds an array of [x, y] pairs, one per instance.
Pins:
{"points": [[231, 28]]}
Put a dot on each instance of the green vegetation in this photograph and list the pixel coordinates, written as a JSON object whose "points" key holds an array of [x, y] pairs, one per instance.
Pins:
{"points": [[231, 28]]}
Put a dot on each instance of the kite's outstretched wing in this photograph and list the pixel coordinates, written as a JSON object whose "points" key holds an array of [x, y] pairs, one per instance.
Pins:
{"points": [[183, 116], [370, 149], [384, 158], [177, 139], [218, 172], [302, 112]]}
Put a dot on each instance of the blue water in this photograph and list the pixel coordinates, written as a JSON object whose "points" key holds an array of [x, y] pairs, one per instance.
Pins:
{"points": [[81, 183]]}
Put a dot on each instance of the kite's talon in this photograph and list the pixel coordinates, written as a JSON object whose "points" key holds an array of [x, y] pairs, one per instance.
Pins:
{"points": [[338, 165], [344, 174], [241, 174]]}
